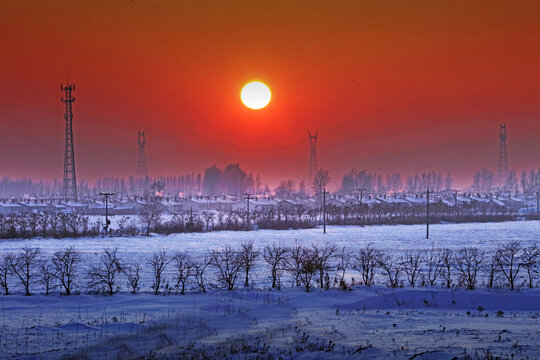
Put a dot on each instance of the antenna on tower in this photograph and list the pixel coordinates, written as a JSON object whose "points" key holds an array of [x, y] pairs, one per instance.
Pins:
{"points": [[312, 157], [142, 170], [70, 180], [502, 173]]}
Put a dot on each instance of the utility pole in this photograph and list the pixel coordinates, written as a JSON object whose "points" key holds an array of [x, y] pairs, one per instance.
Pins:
{"points": [[247, 198], [455, 202], [190, 225], [361, 193], [427, 214], [455, 197], [107, 221], [324, 210], [537, 202]]}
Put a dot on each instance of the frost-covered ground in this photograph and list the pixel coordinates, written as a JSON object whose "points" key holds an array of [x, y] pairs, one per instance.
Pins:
{"points": [[375, 323], [393, 237], [365, 323]]}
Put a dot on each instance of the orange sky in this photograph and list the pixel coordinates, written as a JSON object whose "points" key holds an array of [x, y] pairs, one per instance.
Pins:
{"points": [[405, 86]]}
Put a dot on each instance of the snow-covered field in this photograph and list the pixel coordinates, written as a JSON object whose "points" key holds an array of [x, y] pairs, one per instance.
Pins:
{"points": [[375, 323], [394, 238], [368, 323], [391, 239]]}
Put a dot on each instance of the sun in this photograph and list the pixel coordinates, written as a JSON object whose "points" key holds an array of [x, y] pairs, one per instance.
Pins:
{"points": [[255, 95]]}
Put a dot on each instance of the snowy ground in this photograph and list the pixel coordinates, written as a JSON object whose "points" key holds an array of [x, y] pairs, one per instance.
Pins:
{"points": [[392, 239], [376, 323], [366, 323]]}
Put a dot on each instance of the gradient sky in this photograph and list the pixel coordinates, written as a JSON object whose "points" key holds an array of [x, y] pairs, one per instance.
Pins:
{"points": [[405, 86]]}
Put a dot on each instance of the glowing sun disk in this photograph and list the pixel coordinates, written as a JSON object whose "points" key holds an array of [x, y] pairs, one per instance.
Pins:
{"points": [[255, 95]]}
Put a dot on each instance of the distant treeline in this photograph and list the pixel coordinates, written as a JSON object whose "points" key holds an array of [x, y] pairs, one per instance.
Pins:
{"points": [[151, 219]]}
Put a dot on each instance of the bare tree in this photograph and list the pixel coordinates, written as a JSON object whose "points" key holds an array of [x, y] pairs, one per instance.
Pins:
{"points": [[24, 266], [5, 272], [412, 262], [200, 268], [344, 262], [294, 262], [46, 273], [247, 256], [184, 270], [507, 257], [492, 269], [320, 180], [391, 268], [468, 262], [434, 265], [447, 258], [529, 259], [65, 264], [309, 266], [228, 264], [151, 214], [275, 256], [208, 217], [104, 274], [158, 263], [365, 263], [323, 255], [127, 226], [133, 275]]}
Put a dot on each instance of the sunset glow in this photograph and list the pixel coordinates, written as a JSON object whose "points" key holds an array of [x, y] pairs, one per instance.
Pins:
{"points": [[409, 87]]}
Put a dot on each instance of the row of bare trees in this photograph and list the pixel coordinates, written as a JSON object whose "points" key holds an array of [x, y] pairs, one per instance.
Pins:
{"points": [[325, 266], [452, 268], [58, 225], [30, 268], [46, 224], [300, 217]]}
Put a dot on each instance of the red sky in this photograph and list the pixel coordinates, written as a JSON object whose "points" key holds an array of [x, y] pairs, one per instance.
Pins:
{"points": [[405, 86]]}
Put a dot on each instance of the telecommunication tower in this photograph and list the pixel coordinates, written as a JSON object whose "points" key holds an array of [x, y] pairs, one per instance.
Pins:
{"points": [[142, 170], [70, 180], [312, 156], [502, 173]]}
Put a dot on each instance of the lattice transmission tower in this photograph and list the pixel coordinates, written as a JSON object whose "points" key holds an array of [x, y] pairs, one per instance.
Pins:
{"points": [[70, 180], [502, 173], [312, 157], [142, 170]]}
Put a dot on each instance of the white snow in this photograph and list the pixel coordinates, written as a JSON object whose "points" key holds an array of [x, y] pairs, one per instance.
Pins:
{"points": [[395, 238], [366, 323]]}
